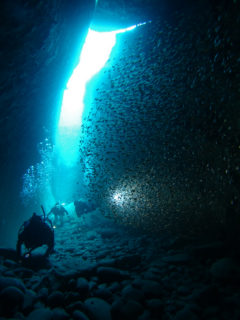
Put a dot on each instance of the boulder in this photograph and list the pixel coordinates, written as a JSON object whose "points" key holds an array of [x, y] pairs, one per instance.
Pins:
{"points": [[12, 299], [40, 314], [225, 269], [82, 286], [98, 309], [55, 299], [9, 282]]}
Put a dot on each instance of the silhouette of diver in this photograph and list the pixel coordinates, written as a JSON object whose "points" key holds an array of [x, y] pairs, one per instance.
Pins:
{"points": [[34, 233], [58, 211]]}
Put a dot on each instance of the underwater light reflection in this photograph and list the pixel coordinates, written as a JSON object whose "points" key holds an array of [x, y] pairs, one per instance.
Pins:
{"points": [[95, 53]]}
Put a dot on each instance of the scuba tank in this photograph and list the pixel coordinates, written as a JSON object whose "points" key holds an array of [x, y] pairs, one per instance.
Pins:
{"points": [[45, 219], [44, 214]]}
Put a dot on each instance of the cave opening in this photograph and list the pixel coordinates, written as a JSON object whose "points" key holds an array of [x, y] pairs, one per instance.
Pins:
{"points": [[56, 177], [94, 56]]}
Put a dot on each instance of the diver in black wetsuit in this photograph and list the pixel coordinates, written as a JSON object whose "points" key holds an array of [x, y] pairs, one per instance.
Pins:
{"points": [[58, 211], [34, 233]]}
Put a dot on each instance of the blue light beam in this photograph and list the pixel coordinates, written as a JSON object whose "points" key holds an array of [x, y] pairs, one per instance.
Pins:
{"points": [[95, 53]]}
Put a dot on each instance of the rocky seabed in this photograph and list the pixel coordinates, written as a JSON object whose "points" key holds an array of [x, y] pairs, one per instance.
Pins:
{"points": [[110, 272]]}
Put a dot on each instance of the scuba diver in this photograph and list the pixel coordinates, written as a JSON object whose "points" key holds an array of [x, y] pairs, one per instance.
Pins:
{"points": [[34, 233], [58, 211]]}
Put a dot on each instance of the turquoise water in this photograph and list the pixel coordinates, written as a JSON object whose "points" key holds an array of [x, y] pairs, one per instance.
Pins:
{"points": [[94, 56]]}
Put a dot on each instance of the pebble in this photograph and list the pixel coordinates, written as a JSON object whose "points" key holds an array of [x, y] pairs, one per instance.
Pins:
{"points": [[131, 310], [186, 314], [71, 297], [60, 314], [79, 315], [55, 299], [9, 263], [43, 294], [225, 269], [40, 314], [82, 286], [145, 316], [155, 306], [7, 282], [115, 286], [98, 309], [77, 305], [129, 292], [11, 299], [103, 293], [29, 299], [150, 288], [205, 295]]}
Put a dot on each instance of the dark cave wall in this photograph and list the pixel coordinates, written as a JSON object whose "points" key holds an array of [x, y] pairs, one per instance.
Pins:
{"points": [[114, 15], [164, 126], [40, 45]]}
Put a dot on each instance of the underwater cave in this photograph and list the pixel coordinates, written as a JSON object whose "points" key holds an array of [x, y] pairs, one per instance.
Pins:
{"points": [[120, 159]]}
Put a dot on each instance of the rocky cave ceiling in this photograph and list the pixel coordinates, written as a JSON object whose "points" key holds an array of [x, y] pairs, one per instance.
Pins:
{"points": [[122, 13]]}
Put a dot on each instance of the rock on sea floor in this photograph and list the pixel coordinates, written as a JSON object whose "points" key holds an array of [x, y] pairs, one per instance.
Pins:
{"points": [[103, 271]]}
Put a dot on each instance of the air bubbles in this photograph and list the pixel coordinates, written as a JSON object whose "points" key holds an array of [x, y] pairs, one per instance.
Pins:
{"points": [[36, 179]]}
